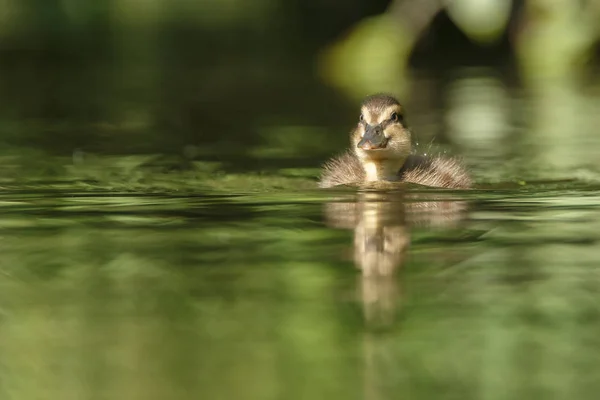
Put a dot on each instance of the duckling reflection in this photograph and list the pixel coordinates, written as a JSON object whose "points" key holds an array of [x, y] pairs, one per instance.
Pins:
{"points": [[381, 239], [380, 233], [381, 222]]}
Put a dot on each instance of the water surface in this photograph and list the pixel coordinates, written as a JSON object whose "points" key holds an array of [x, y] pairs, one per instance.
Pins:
{"points": [[221, 275]]}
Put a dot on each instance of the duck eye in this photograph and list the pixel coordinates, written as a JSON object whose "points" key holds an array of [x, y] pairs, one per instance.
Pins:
{"points": [[394, 117], [361, 117]]}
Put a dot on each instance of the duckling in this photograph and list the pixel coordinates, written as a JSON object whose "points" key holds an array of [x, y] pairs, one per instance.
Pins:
{"points": [[381, 151]]}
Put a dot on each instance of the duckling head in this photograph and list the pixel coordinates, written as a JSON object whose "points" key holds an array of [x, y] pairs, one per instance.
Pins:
{"points": [[381, 139]]}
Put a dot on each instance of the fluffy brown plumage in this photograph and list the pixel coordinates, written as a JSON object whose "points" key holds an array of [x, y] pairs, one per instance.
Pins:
{"points": [[436, 171], [380, 151], [342, 170]]}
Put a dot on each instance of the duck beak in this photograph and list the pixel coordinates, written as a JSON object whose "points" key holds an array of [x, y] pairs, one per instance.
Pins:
{"points": [[373, 139]]}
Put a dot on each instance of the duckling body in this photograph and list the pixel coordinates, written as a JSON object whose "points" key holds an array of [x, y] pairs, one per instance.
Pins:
{"points": [[381, 152]]}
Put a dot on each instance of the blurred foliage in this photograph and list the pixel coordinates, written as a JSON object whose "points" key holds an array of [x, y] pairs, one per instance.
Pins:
{"points": [[482, 20], [550, 39], [370, 59], [248, 83]]}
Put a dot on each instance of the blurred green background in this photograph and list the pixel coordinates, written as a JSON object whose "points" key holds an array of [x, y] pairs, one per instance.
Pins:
{"points": [[274, 85]]}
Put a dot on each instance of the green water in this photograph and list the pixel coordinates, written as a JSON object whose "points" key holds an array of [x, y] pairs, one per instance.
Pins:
{"points": [[148, 263], [114, 295]]}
